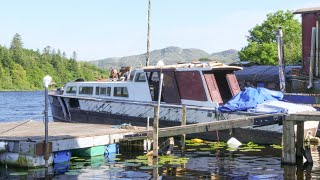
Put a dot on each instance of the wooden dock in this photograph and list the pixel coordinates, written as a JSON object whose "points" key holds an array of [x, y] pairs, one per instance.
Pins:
{"points": [[293, 142], [25, 140]]}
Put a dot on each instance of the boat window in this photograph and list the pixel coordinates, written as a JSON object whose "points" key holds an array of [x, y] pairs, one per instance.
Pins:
{"points": [[103, 91], [71, 89], [190, 85], [155, 77], [140, 77], [120, 92], [86, 90]]}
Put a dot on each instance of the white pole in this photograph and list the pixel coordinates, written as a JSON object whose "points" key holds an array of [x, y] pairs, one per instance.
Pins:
{"points": [[46, 82], [282, 79]]}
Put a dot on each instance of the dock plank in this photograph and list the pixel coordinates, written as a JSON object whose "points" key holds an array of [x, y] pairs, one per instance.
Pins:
{"points": [[57, 131], [304, 116]]}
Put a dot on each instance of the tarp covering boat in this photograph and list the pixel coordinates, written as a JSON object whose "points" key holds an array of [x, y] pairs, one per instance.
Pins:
{"points": [[262, 100], [250, 98]]}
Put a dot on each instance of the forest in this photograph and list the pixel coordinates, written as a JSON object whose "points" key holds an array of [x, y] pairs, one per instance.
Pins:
{"points": [[23, 69]]}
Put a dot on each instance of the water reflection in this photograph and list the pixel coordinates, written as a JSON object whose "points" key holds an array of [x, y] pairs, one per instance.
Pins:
{"points": [[197, 164]]}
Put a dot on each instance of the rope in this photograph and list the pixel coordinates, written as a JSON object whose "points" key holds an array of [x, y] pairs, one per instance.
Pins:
{"points": [[19, 125], [16, 126]]}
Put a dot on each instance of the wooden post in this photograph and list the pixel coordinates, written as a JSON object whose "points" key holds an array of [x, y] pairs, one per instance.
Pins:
{"points": [[183, 122], [155, 131], [289, 172], [156, 120], [155, 172], [148, 122], [288, 150], [300, 138]]}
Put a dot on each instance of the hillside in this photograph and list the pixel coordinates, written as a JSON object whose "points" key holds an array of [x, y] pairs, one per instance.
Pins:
{"points": [[169, 55], [227, 56], [23, 69]]}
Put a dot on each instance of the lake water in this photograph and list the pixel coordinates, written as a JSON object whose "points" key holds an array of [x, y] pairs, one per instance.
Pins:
{"points": [[21, 106], [201, 161]]}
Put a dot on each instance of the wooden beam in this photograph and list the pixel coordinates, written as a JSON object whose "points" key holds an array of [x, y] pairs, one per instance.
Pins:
{"points": [[288, 150], [304, 116], [209, 126]]}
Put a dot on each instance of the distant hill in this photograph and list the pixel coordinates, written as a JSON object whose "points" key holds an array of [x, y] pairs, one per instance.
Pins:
{"points": [[227, 56], [169, 55]]}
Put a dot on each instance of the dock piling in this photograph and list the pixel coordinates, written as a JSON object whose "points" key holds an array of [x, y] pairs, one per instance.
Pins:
{"points": [[299, 143], [292, 152], [183, 122], [288, 151], [156, 120], [155, 131]]}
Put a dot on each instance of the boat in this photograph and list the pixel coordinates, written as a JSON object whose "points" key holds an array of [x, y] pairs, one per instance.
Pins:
{"points": [[132, 100], [202, 87]]}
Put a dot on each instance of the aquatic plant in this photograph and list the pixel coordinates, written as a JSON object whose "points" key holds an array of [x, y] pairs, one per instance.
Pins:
{"points": [[18, 174], [276, 146]]}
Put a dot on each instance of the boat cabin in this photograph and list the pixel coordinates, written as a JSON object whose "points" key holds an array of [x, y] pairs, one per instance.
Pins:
{"points": [[201, 84]]}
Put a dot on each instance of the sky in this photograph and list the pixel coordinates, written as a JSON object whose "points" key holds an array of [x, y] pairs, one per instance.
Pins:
{"points": [[99, 29]]}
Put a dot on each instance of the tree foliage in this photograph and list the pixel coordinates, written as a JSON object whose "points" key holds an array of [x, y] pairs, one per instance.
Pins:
{"points": [[23, 69], [262, 45]]}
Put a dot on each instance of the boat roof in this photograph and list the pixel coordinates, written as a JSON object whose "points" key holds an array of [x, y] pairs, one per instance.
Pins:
{"points": [[100, 82], [307, 10], [194, 65], [262, 73]]}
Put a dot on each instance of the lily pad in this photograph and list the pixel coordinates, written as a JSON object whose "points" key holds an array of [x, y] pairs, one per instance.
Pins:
{"points": [[114, 159], [196, 140], [191, 149], [250, 150], [114, 170], [73, 172], [231, 149], [146, 167], [156, 166], [132, 164], [259, 147], [79, 160], [276, 146], [18, 174]]}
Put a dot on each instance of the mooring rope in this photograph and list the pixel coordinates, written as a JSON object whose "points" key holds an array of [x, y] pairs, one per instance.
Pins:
{"points": [[20, 124]]}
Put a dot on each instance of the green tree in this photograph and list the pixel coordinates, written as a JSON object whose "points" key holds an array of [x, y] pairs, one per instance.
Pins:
{"points": [[262, 45], [23, 69], [17, 49], [16, 43]]}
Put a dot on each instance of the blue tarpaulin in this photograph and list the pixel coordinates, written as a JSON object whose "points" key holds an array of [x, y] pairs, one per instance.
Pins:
{"points": [[249, 98]]}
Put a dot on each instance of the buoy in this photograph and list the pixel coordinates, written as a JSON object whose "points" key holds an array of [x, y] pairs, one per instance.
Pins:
{"points": [[196, 140], [233, 143]]}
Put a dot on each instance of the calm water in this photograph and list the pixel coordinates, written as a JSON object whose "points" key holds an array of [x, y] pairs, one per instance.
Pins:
{"points": [[21, 106], [200, 162]]}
